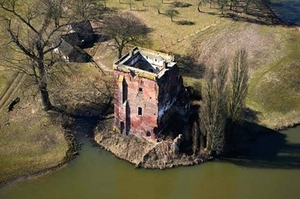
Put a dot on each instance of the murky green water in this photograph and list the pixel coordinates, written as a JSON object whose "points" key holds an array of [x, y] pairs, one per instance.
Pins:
{"points": [[98, 174]]}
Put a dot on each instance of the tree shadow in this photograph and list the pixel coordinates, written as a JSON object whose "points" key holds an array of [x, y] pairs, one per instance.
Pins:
{"points": [[179, 4], [101, 38], [288, 11], [257, 19], [265, 148], [185, 23], [250, 115], [258, 13], [189, 66]]}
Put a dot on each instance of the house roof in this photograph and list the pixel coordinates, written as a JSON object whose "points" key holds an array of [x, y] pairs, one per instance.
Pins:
{"points": [[146, 63], [65, 48], [84, 29], [82, 26], [72, 38]]}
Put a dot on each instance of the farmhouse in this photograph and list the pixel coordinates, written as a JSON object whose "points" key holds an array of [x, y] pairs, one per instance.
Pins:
{"points": [[148, 92], [79, 35]]}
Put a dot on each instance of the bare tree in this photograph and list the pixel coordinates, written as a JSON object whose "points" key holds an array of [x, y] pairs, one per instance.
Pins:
{"points": [[87, 9], [172, 13], [238, 86], [232, 4], [158, 9], [212, 113], [124, 29], [34, 30], [248, 2], [104, 3], [130, 4], [222, 4], [202, 2], [223, 101]]}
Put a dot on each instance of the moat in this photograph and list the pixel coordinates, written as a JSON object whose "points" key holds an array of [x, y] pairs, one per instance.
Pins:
{"points": [[96, 173]]}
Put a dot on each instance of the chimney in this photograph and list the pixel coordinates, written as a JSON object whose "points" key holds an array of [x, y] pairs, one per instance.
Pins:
{"points": [[165, 64]]}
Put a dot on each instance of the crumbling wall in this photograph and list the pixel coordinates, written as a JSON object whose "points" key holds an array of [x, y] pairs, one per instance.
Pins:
{"points": [[139, 111], [170, 85], [147, 93]]}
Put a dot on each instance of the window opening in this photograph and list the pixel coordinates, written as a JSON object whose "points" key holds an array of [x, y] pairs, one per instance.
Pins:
{"points": [[140, 111], [148, 134], [140, 89], [122, 126], [125, 91]]}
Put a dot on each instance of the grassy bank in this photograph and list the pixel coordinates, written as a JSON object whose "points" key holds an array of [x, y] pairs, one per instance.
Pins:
{"points": [[274, 90], [32, 140], [273, 51]]}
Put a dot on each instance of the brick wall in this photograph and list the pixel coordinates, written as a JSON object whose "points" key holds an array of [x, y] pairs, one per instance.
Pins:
{"points": [[139, 111], [144, 106]]}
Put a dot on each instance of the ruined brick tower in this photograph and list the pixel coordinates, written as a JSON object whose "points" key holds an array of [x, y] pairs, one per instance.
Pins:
{"points": [[147, 86]]}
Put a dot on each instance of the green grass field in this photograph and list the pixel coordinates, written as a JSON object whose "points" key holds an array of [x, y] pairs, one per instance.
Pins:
{"points": [[275, 89], [30, 140]]}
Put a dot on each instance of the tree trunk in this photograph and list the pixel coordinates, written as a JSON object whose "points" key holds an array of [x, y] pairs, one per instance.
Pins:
{"points": [[202, 142], [158, 10], [43, 78], [120, 52], [231, 5], [45, 96], [195, 133], [199, 4], [208, 142]]}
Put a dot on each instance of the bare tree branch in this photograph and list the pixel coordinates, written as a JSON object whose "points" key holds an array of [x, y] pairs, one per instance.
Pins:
{"points": [[125, 29], [34, 31]]}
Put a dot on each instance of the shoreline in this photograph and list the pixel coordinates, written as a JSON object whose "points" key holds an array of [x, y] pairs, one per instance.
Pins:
{"points": [[33, 175], [145, 154], [71, 153], [182, 160], [142, 153], [286, 127]]}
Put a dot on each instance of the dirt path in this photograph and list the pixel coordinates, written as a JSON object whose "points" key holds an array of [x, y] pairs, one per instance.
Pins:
{"points": [[102, 66], [11, 89]]}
